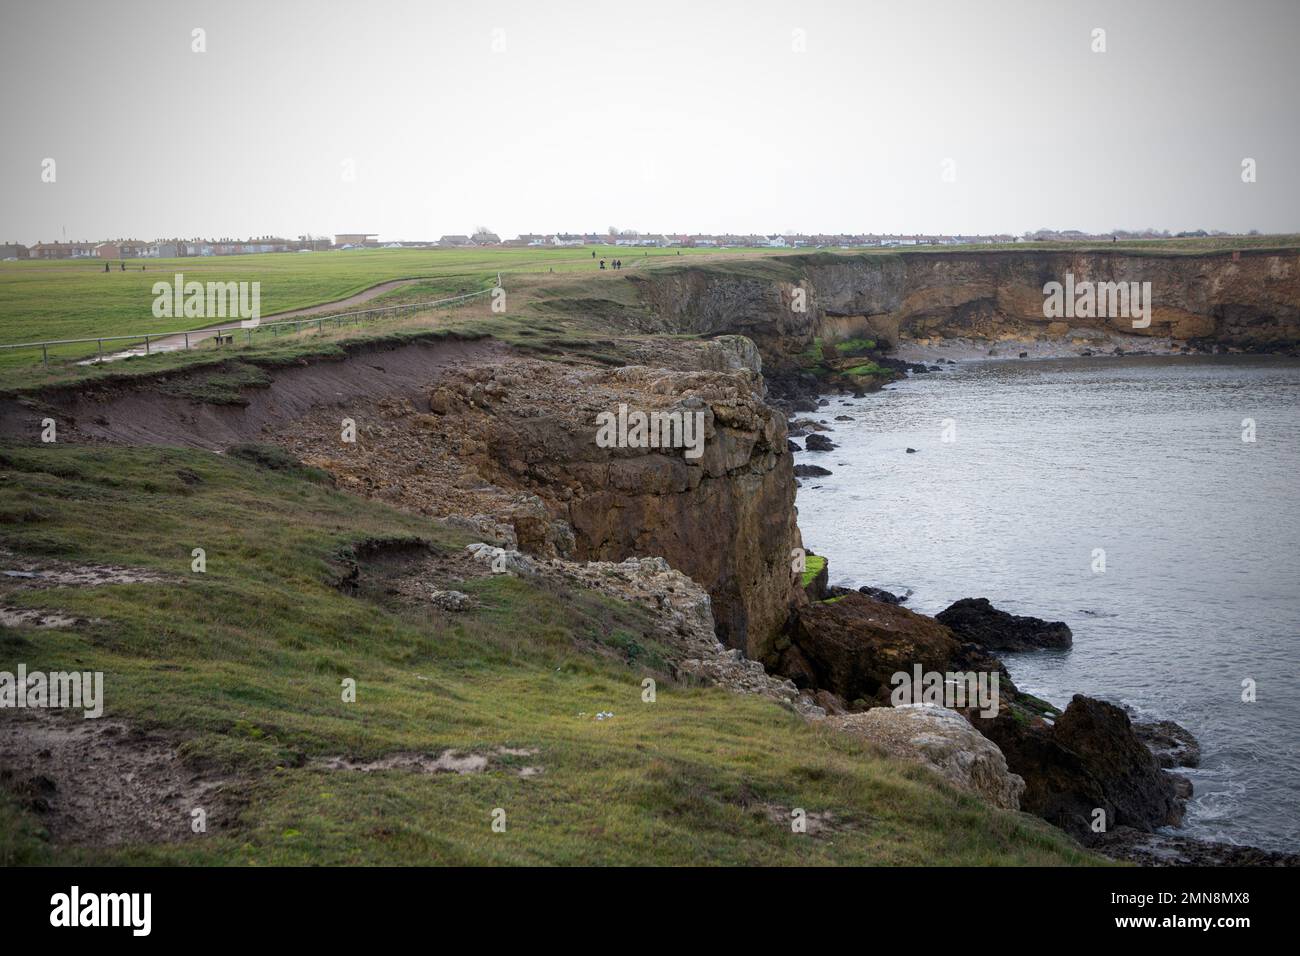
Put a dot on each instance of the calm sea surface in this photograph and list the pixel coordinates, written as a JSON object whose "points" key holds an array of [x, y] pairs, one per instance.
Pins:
{"points": [[1144, 459]]}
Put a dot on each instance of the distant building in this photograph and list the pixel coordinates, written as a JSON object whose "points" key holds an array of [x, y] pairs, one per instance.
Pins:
{"points": [[120, 249], [485, 238], [456, 242], [62, 250], [356, 239], [13, 250]]}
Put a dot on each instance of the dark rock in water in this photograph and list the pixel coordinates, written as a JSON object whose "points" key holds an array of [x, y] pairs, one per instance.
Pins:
{"points": [[1173, 745], [810, 471], [936, 368], [803, 405], [879, 594], [976, 620], [1089, 759], [823, 401], [853, 646], [859, 394], [950, 362], [1182, 785], [911, 451], [804, 425], [1024, 355], [844, 418], [797, 432], [919, 368], [1157, 849], [1103, 735], [792, 446], [818, 443]]}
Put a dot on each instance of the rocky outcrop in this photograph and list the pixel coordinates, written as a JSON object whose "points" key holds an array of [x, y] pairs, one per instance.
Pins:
{"points": [[685, 617], [978, 621], [1172, 744], [942, 740], [1089, 759], [852, 646]]}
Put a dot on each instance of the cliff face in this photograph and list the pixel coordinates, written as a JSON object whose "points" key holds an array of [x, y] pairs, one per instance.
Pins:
{"points": [[516, 445], [725, 517], [1250, 299]]}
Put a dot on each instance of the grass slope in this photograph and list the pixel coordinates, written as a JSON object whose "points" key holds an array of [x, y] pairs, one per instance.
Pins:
{"points": [[242, 666]]}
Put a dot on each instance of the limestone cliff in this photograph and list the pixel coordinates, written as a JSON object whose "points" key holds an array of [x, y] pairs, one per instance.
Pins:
{"points": [[1249, 299], [725, 518]]}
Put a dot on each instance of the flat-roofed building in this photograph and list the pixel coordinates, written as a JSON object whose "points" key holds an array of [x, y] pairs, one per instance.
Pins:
{"points": [[356, 239]]}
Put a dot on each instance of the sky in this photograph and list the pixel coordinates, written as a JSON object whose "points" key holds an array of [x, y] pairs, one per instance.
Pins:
{"points": [[416, 119]]}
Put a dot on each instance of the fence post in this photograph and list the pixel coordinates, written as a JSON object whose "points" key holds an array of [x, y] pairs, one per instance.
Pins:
{"points": [[187, 341], [45, 355], [146, 345]]}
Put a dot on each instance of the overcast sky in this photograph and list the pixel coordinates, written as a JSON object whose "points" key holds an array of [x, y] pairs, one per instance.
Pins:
{"points": [[666, 115]]}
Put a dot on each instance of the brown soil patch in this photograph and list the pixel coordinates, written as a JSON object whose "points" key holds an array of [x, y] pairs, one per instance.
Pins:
{"points": [[100, 783], [20, 571], [138, 414]]}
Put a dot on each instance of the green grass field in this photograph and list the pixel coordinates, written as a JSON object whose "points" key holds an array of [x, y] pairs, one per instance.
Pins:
{"points": [[42, 301], [241, 667]]}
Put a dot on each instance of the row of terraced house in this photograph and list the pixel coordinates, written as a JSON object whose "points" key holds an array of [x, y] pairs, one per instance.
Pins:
{"points": [[173, 248], [159, 249]]}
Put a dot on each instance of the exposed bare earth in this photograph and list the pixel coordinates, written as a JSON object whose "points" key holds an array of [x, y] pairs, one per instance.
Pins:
{"points": [[97, 782]]}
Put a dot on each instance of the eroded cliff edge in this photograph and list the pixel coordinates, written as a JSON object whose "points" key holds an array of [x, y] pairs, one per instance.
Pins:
{"points": [[1248, 299]]}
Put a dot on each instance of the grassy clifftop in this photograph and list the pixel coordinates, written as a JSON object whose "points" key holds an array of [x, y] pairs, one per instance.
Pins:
{"points": [[235, 675]]}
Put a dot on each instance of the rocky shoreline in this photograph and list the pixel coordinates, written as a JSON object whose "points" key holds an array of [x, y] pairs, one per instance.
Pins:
{"points": [[1090, 769]]}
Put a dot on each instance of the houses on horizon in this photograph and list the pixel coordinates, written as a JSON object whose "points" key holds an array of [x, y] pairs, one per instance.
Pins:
{"points": [[117, 249]]}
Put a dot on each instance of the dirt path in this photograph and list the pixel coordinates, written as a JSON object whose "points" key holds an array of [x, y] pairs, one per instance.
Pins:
{"points": [[174, 342]]}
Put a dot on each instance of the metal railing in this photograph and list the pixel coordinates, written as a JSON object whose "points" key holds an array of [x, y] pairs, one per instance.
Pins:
{"points": [[225, 334]]}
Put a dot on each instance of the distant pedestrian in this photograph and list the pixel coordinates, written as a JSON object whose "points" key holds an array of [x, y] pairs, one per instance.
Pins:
{"points": [[602, 263], [122, 266], [105, 266], [593, 253]]}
